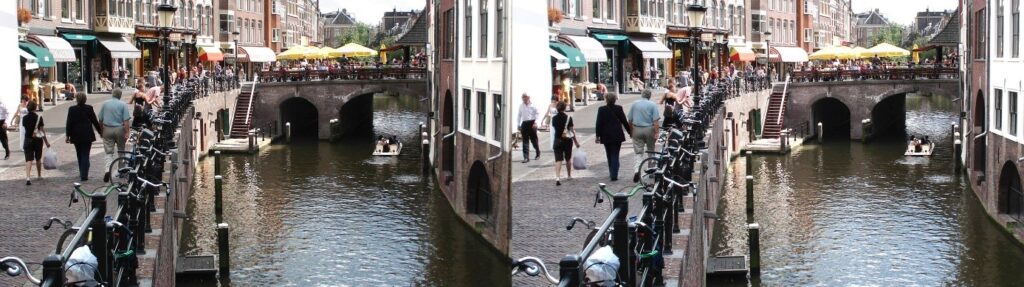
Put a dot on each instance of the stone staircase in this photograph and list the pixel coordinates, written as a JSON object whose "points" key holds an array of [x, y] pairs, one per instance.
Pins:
{"points": [[776, 114]]}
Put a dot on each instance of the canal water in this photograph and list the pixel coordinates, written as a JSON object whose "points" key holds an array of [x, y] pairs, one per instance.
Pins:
{"points": [[320, 214], [849, 214]]}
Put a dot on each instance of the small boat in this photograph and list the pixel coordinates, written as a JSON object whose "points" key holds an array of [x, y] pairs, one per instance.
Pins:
{"points": [[926, 150], [392, 150]]}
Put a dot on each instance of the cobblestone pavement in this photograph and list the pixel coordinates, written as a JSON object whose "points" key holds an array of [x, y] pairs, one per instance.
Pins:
{"points": [[541, 211], [25, 209]]}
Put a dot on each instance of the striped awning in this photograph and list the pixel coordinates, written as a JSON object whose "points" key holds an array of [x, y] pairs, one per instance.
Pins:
{"points": [[120, 49], [259, 54], [210, 54], [60, 48]]}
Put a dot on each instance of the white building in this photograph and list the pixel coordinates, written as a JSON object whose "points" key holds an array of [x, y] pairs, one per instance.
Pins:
{"points": [[1006, 82]]}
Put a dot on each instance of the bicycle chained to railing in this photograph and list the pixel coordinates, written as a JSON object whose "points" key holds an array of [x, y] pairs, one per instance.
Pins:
{"points": [[103, 250], [639, 242]]}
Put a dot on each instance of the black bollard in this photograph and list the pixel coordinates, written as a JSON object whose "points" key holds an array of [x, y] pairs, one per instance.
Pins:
{"points": [[53, 270], [620, 244], [216, 162], [223, 250], [569, 268], [750, 197], [754, 241], [218, 198], [288, 132], [251, 135], [425, 152], [750, 163], [820, 133], [99, 239]]}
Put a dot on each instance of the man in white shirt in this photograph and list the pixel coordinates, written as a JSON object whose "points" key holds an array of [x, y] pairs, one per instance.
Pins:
{"points": [[528, 128], [3, 129]]}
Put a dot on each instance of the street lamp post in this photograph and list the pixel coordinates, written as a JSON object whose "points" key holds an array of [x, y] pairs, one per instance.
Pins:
{"points": [[188, 53], [696, 13], [768, 54], [166, 13], [235, 34]]}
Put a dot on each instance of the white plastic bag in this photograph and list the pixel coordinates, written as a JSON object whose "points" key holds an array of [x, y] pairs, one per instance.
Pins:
{"points": [[602, 267], [49, 159], [81, 267], [579, 160]]}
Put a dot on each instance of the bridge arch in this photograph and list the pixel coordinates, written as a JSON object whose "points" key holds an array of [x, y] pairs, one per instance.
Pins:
{"points": [[889, 115], [978, 144], [1011, 196], [834, 115], [303, 116]]}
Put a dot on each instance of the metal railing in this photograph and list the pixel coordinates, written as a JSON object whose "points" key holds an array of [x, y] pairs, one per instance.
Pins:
{"points": [[384, 73], [893, 73]]}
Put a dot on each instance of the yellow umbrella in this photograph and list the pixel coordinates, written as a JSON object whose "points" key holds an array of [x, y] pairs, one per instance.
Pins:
{"points": [[356, 50], [383, 55], [294, 53], [915, 55], [886, 50], [329, 53], [831, 53], [823, 54], [859, 51]]}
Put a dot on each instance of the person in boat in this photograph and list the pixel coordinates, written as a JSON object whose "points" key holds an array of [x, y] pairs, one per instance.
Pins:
{"points": [[394, 140], [926, 141], [917, 144], [383, 143]]}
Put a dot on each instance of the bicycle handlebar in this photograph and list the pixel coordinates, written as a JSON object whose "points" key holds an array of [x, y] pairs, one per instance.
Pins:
{"points": [[532, 266], [14, 266]]}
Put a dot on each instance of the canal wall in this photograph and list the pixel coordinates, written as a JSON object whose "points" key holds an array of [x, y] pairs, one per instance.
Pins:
{"points": [[708, 176], [196, 134], [998, 180], [738, 128]]}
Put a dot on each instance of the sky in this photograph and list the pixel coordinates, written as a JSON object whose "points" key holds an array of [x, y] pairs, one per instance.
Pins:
{"points": [[902, 11], [370, 11]]}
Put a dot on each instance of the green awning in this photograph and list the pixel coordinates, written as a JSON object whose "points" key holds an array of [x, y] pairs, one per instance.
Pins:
{"points": [[79, 37], [610, 37], [576, 59], [43, 56]]}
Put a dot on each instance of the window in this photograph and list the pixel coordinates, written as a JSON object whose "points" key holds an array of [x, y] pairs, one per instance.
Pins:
{"points": [[609, 10], [596, 9], [1013, 113], [466, 98], [65, 9], [499, 28], [498, 122], [276, 37], [129, 10], [631, 7], [226, 22], [756, 23], [999, 110], [999, 29], [979, 41], [449, 34], [481, 113], [1015, 45], [483, 28], [468, 30]]}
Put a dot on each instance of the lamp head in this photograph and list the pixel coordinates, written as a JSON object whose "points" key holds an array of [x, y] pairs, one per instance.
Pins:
{"points": [[696, 13], [166, 14]]}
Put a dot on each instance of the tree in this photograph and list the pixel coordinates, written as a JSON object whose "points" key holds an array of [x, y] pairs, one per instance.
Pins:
{"points": [[892, 34], [360, 34]]}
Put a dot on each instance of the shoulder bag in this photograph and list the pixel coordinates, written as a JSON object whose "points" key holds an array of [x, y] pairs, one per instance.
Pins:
{"points": [[566, 133], [39, 133]]}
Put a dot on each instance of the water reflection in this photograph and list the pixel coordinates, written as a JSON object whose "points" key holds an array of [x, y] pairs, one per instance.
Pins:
{"points": [[848, 214], [315, 213]]}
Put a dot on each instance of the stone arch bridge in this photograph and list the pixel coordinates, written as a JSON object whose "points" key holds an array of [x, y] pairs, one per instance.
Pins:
{"points": [[843, 105], [310, 105]]}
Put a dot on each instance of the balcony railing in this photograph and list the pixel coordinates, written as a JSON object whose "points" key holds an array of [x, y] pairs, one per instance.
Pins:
{"points": [[384, 73], [892, 73]]}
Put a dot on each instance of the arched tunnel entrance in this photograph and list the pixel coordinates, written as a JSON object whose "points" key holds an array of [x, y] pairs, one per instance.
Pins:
{"points": [[889, 117], [356, 117], [834, 117], [303, 117]]}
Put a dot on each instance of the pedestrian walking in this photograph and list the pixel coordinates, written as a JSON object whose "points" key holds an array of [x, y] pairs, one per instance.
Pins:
{"points": [[114, 115], [3, 130], [611, 122], [643, 119], [82, 127], [528, 127], [565, 138], [32, 142]]}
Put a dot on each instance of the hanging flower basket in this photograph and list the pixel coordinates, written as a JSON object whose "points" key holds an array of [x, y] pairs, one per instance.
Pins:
{"points": [[24, 16], [554, 15]]}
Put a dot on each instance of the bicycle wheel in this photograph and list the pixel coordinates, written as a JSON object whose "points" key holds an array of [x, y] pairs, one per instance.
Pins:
{"points": [[647, 169], [116, 176]]}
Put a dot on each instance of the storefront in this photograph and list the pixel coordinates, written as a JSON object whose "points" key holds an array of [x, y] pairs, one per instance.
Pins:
{"points": [[564, 80], [611, 71], [118, 58], [33, 77], [79, 72], [646, 61], [783, 60], [64, 57]]}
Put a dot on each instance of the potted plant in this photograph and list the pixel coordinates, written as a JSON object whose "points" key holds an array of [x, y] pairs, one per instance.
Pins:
{"points": [[554, 15], [24, 16]]}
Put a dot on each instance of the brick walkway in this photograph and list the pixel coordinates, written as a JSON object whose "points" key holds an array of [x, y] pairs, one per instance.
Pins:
{"points": [[25, 209], [541, 210]]}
